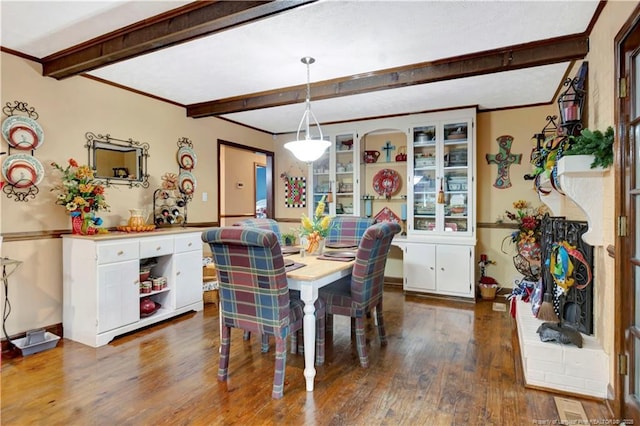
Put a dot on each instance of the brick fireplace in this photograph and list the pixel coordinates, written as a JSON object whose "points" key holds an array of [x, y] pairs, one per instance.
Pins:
{"points": [[553, 365]]}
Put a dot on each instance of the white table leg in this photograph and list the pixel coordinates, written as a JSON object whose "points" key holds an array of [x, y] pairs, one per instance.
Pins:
{"points": [[309, 295]]}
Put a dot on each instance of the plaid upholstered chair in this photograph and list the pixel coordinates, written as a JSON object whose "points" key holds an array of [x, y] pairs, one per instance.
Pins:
{"points": [[269, 225], [357, 294], [254, 295], [262, 223], [347, 230]]}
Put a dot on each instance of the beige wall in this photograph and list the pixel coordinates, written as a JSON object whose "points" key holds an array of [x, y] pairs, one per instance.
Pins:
{"points": [[67, 110]]}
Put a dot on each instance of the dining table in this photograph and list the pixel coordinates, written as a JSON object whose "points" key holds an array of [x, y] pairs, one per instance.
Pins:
{"points": [[317, 272]]}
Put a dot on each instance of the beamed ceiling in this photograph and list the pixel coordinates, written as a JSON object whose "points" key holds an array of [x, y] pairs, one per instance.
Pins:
{"points": [[240, 60]]}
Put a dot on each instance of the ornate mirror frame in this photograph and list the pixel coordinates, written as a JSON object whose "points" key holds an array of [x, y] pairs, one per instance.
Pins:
{"points": [[118, 161]]}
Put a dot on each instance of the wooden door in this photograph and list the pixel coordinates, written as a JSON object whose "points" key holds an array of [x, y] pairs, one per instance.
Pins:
{"points": [[628, 208]]}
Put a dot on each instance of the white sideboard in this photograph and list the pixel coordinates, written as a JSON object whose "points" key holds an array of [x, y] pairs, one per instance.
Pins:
{"points": [[101, 282]]}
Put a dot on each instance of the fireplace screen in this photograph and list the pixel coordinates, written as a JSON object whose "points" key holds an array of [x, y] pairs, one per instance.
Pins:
{"points": [[567, 265]]}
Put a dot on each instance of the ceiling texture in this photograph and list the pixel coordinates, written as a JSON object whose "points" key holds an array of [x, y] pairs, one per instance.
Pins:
{"points": [[240, 60]]}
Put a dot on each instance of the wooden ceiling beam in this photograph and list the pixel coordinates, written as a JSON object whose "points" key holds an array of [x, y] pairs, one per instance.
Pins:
{"points": [[192, 21], [511, 58]]}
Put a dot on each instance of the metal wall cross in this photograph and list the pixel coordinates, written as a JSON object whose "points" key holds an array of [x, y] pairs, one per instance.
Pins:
{"points": [[388, 147], [504, 159]]}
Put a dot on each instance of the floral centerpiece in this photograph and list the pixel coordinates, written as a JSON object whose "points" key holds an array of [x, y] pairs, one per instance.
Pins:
{"points": [[529, 220], [82, 196], [316, 228]]}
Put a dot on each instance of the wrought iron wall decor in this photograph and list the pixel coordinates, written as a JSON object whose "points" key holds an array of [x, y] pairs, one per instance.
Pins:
{"points": [[22, 171], [171, 200], [118, 161], [187, 161]]}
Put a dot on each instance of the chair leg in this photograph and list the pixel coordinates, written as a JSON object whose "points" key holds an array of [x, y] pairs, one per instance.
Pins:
{"points": [[265, 344], [380, 321], [223, 365], [320, 340], [281, 361], [361, 342]]}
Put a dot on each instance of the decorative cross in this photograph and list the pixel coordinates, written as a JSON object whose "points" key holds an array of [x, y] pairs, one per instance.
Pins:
{"points": [[504, 159], [388, 147]]}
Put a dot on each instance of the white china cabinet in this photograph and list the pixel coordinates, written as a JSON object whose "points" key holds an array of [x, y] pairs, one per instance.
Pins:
{"points": [[439, 245], [101, 281]]}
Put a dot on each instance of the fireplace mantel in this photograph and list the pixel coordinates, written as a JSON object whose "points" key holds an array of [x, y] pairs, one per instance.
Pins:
{"points": [[549, 196], [585, 187]]}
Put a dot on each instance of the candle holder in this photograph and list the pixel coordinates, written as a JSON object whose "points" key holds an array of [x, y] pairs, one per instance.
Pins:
{"points": [[571, 103]]}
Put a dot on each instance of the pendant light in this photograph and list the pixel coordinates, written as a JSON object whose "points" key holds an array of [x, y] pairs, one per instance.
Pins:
{"points": [[308, 149]]}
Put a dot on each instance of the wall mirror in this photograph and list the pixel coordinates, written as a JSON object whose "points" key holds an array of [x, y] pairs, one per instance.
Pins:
{"points": [[118, 161]]}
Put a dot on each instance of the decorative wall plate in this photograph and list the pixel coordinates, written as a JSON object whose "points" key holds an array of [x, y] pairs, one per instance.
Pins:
{"points": [[22, 133], [386, 182], [22, 170], [187, 183], [187, 159]]}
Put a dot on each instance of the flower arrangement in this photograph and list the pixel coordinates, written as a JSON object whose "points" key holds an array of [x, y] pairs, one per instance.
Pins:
{"points": [[317, 227], [80, 194], [529, 220]]}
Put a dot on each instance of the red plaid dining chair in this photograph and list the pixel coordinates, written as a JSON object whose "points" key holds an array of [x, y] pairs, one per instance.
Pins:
{"points": [[269, 225], [347, 230], [356, 295], [254, 295]]}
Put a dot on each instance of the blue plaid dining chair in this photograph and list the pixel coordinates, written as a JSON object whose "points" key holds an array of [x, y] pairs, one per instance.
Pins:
{"points": [[359, 293], [347, 230], [254, 295]]}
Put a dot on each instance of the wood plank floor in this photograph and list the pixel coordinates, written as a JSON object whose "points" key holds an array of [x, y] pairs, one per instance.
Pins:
{"points": [[447, 363]]}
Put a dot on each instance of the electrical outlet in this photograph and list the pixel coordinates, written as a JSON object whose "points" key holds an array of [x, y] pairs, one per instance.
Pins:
{"points": [[205, 196]]}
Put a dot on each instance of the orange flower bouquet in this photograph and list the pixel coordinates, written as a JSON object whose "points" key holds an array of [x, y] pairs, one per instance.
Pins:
{"points": [[81, 195]]}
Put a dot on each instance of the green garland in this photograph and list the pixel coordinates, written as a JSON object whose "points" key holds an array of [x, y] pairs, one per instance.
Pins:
{"points": [[595, 143]]}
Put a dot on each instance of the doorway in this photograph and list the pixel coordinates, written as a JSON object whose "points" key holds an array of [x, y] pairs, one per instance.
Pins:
{"points": [[243, 171], [260, 182]]}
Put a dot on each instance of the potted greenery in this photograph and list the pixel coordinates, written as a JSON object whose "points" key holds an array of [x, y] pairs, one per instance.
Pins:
{"points": [[289, 238], [594, 143]]}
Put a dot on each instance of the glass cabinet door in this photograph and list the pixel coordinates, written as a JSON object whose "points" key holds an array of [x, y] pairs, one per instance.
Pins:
{"points": [[345, 187], [456, 176], [321, 181], [424, 178], [440, 154]]}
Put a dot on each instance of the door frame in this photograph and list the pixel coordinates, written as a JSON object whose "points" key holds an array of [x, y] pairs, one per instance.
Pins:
{"points": [[624, 169]]}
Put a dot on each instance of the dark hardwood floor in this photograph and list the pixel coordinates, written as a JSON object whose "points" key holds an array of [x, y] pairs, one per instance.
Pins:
{"points": [[447, 363]]}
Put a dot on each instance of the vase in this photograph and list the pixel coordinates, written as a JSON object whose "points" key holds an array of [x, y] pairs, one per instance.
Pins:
{"points": [[532, 253], [315, 248], [76, 224]]}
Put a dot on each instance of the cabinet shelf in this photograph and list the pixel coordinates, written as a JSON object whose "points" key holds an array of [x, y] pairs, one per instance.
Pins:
{"points": [[402, 164], [164, 290]]}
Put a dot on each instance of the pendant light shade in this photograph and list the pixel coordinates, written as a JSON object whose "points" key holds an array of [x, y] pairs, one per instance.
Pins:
{"points": [[310, 148]]}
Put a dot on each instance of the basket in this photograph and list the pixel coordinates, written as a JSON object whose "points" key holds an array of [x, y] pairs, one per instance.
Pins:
{"points": [[488, 292], [210, 296]]}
